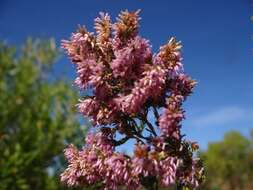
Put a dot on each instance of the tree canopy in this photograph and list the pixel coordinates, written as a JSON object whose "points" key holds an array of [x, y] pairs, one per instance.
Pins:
{"points": [[229, 163], [37, 118]]}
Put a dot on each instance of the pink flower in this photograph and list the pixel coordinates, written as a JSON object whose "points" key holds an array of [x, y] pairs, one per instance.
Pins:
{"points": [[89, 73], [150, 86], [71, 153], [129, 60], [125, 83], [89, 107]]}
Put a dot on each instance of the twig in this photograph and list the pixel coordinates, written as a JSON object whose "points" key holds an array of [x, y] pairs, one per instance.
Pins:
{"points": [[121, 141], [150, 126], [156, 113], [138, 139]]}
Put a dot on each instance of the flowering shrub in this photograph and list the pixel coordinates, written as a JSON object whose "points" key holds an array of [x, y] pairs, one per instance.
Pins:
{"points": [[128, 82]]}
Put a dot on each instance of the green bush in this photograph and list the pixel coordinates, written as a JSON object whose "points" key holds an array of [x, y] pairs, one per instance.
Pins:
{"points": [[37, 117]]}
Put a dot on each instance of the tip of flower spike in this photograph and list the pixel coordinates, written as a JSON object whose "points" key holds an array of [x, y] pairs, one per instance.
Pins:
{"points": [[81, 29], [194, 82], [103, 27], [104, 15], [137, 12], [127, 25], [124, 14], [173, 44], [172, 40]]}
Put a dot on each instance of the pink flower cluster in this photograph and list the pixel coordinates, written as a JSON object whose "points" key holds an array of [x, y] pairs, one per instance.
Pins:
{"points": [[98, 162], [127, 81]]}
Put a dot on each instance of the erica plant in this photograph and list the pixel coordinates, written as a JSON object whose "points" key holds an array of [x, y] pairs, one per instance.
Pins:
{"points": [[127, 82]]}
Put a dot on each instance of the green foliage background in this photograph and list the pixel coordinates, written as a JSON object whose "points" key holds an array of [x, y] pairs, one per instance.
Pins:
{"points": [[37, 117], [229, 163]]}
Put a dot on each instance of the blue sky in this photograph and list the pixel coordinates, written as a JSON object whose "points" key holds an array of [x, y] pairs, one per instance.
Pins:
{"points": [[216, 36]]}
